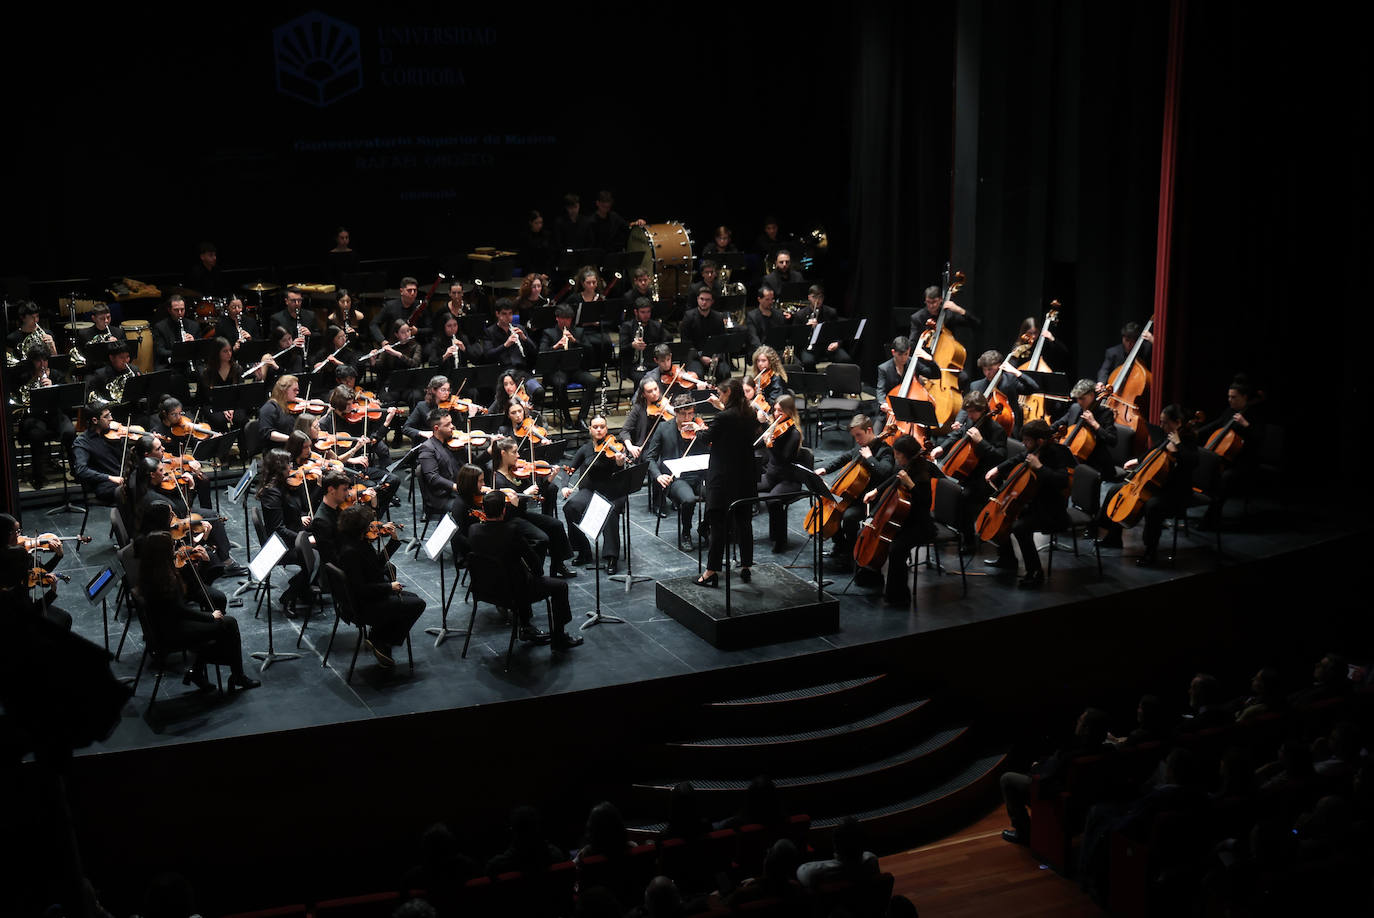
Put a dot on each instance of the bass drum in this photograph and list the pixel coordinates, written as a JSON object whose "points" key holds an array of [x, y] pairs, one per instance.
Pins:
{"points": [[140, 331], [667, 254]]}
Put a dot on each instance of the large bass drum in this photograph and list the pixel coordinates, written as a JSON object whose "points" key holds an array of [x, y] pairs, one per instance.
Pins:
{"points": [[667, 254]]}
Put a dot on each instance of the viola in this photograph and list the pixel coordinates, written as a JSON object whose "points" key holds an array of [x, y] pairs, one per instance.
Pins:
{"points": [[376, 529], [301, 405], [185, 427], [49, 541]]}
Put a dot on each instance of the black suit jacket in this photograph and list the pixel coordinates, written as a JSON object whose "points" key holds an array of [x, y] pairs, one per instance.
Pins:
{"points": [[1115, 356], [306, 318], [166, 334], [730, 476], [438, 468], [501, 541], [1048, 507]]}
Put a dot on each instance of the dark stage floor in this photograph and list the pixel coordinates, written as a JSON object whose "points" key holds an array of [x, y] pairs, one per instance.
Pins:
{"points": [[302, 693]]}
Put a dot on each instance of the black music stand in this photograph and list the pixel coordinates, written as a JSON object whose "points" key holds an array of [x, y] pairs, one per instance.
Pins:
{"points": [[43, 401], [591, 524], [1054, 386], [237, 496], [799, 336], [138, 388], [732, 342], [252, 351], [912, 410], [434, 547], [813, 387], [732, 260], [549, 362], [816, 491], [623, 483], [260, 569], [794, 291]]}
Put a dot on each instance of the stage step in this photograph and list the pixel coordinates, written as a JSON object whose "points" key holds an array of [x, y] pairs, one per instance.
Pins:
{"points": [[828, 746], [808, 706], [852, 787]]}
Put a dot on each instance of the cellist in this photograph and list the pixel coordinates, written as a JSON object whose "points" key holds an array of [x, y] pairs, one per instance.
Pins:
{"points": [[876, 457], [892, 372], [1242, 414], [1048, 508], [911, 474], [1099, 419], [1179, 440], [1012, 384], [989, 444]]}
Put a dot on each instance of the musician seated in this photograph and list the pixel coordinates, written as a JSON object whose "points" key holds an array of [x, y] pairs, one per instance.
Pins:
{"points": [[1244, 413], [332, 351], [507, 345], [29, 332], [759, 321], [589, 288], [289, 354], [235, 327], [437, 465], [957, 318], [454, 308], [817, 313], [1013, 384], [116, 370], [877, 460], [402, 307], [154, 483], [780, 476], [169, 415], [892, 372], [639, 336], [96, 461], [1047, 510], [563, 337], [295, 319], [1172, 499], [100, 327], [400, 351], [379, 600], [540, 528], [417, 426], [37, 429], [15, 592], [285, 514], [698, 327], [448, 349], [911, 475], [635, 431], [345, 315], [500, 539], [783, 273], [176, 328], [324, 525], [275, 421], [1116, 355], [671, 440], [199, 569], [591, 469], [1097, 418], [765, 369], [223, 370], [989, 443]]}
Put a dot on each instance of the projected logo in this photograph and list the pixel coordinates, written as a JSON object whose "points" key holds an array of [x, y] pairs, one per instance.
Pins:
{"points": [[319, 59]]}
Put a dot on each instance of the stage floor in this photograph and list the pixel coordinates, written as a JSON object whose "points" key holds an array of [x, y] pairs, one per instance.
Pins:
{"points": [[302, 693]]}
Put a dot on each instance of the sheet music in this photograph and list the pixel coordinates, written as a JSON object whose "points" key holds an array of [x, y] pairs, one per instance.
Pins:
{"points": [[434, 545], [598, 509], [261, 565], [859, 332], [815, 333], [680, 467]]}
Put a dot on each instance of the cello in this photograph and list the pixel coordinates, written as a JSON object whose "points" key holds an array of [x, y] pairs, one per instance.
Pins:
{"points": [[889, 515], [848, 485], [948, 356], [997, 516], [1080, 439], [1033, 406], [1226, 442], [1130, 386], [1147, 479], [910, 387]]}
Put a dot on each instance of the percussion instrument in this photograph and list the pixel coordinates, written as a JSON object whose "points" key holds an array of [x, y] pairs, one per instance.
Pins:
{"points": [[666, 250], [139, 330]]}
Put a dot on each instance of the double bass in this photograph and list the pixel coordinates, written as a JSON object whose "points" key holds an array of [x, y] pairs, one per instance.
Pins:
{"points": [[910, 387], [947, 354], [1033, 406], [1130, 386], [998, 405]]}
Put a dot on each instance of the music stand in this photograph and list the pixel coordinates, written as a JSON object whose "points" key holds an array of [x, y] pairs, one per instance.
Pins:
{"points": [[793, 291], [729, 343], [236, 493], [260, 569], [623, 483], [816, 490], [911, 410], [1052, 384], [43, 401], [734, 261], [811, 386], [434, 547], [138, 388], [591, 524], [799, 336], [252, 351]]}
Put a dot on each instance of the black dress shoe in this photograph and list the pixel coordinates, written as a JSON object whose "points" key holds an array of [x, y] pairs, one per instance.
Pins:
{"points": [[712, 580], [562, 571], [532, 635], [1006, 564], [582, 560], [234, 569], [611, 566], [685, 543], [1034, 579], [1013, 836], [780, 547], [746, 573], [243, 681], [903, 600], [197, 676], [1147, 560], [662, 513], [564, 641]]}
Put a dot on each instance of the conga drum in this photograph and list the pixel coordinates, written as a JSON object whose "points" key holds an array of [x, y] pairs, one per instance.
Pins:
{"points": [[667, 254], [139, 330]]}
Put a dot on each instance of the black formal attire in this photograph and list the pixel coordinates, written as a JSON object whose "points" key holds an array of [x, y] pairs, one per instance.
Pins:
{"points": [[436, 325], [213, 640], [548, 492], [282, 509], [780, 477], [540, 528], [597, 477], [392, 310], [758, 325], [1047, 510], [180, 446], [225, 328], [218, 538], [810, 356], [388, 363], [272, 416], [304, 319], [731, 438], [954, 322], [166, 334], [504, 540], [888, 379], [388, 615], [1105, 435], [1239, 473], [208, 281], [654, 335], [696, 330], [682, 492], [1115, 356], [1013, 387], [38, 429], [637, 425], [346, 357], [991, 451], [437, 467], [210, 379], [574, 234], [915, 530], [538, 255], [590, 335], [777, 387], [777, 279], [434, 354], [518, 356], [610, 233], [419, 426], [879, 464], [1170, 500], [94, 459], [324, 526], [559, 379]]}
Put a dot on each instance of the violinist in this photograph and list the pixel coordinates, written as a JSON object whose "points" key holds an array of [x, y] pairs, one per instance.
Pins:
{"points": [[783, 440], [673, 440], [767, 374], [1048, 508], [764, 318], [169, 415], [437, 465], [466, 505], [542, 531], [817, 313], [1243, 415], [275, 422], [213, 635], [1098, 418], [661, 368], [912, 475], [18, 562], [1116, 355], [892, 372], [371, 431], [1012, 383], [381, 603], [698, 327], [151, 486], [522, 429], [417, 425], [507, 344], [731, 436], [989, 444], [1180, 442], [285, 514], [333, 351], [638, 422], [96, 461], [501, 538], [324, 525], [508, 389], [590, 470], [199, 570], [562, 336], [876, 457], [448, 349]]}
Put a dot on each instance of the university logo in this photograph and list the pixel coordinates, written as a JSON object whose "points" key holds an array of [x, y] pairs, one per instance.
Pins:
{"points": [[319, 59]]}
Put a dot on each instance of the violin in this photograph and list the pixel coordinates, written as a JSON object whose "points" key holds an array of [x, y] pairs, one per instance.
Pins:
{"points": [[358, 492], [764, 379], [529, 428], [338, 441], [376, 529], [660, 408], [38, 576], [193, 525], [513, 497], [363, 408], [609, 445], [186, 554], [185, 427], [778, 430], [49, 541], [120, 431], [465, 405], [301, 405], [678, 375], [182, 463], [475, 440], [539, 468], [175, 479]]}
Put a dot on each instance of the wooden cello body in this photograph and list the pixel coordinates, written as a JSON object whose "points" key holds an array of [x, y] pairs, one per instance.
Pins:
{"points": [[1080, 439], [1226, 442], [878, 531], [1147, 479], [1033, 406], [910, 388], [999, 514], [999, 407], [1130, 388], [849, 485]]}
